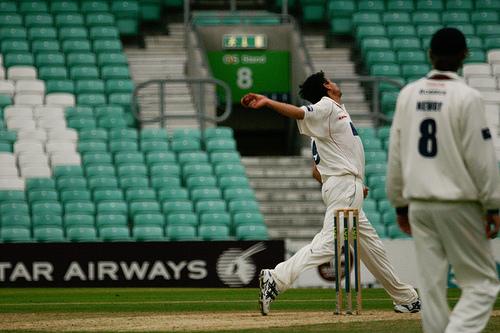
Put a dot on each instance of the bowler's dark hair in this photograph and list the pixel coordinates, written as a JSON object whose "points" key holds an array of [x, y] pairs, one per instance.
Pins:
{"points": [[448, 49], [313, 89]]}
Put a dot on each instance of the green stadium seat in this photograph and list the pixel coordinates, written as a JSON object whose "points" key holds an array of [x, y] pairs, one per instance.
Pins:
{"points": [[71, 183], [38, 20], [96, 158], [107, 46], [80, 207], [81, 234], [341, 26], [400, 5], [132, 170], [406, 43], [10, 19], [13, 33], [402, 30], [414, 70], [46, 207], [422, 18], [57, 7], [475, 56], [181, 232], [214, 145], [427, 30], [78, 220], [248, 218], [375, 169], [44, 33], [385, 70], [111, 219], [112, 207], [226, 182], [251, 232], [124, 133], [119, 86], [364, 31], [380, 57], [81, 59], [95, 6], [15, 220], [68, 20], [50, 59], [140, 207], [45, 45], [219, 218], [115, 72], [12, 196], [196, 157], [26, 7], [133, 181], [492, 42], [48, 234], [455, 17], [92, 146], [434, 5], [487, 29], [84, 73], [102, 195], [116, 59], [487, 4], [170, 169], [194, 182], [14, 46], [389, 218], [100, 170], [40, 184], [127, 16], [42, 195], [140, 194], [213, 232], [371, 5], [154, 146], [176, 207], [197, 169], [100, 19], [218, 132], [186, 218], [75, 195], [395, 18], [384, 206], [467, 5], [88, 87], [129, 158], [375, 43], [15, 235], [228, 169], [148, 233], [67, 170], [243, 205], [8, 7], [210, 206], [172, 194], [114, 234], [103, 32], [75, 45], [162, 182], [46, 219], [411, 56], [198, 194], [149, 219], [185, 145], [366, 18], [52, 73], [18, 59]]}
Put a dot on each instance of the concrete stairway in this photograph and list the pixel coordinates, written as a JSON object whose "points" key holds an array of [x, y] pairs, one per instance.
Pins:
{"points": [[164, 57], [336, 62], [290, 199]]}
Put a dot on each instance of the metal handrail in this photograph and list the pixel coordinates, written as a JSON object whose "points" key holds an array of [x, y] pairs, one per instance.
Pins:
{"points": [[200, 111]]}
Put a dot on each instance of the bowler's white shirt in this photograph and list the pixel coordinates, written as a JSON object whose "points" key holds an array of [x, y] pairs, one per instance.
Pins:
{"points": [[337, 148]]}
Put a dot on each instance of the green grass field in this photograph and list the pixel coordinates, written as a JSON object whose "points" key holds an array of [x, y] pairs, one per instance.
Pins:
{"points": [[154, 309]]}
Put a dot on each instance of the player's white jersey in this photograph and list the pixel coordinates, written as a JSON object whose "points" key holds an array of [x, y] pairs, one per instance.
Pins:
{"points": [[440, 145], [337, 148]]}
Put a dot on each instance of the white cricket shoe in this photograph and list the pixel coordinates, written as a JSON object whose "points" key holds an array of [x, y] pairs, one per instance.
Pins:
{"points": [[408, 308], [268, 290]]}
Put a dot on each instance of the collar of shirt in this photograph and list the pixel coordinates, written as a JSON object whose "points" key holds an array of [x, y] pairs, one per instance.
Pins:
{"points": [[342, 106], [451, 75]]}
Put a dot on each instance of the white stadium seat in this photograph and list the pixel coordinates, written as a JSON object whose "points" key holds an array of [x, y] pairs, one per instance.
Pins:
{"points": [[13, 111], [36, 172], [493, 56], [8, 172], [46, 111], [30, 87], [60, 147], [30, 159], [65, 159], [491, 96], [2, 72], [38, 134], [7, 159], [482, 83], [32, 146], [60, 99], [476, 70], [66, 134], [21, 73], [7, 87], [20, 123], [49, 124], [12, 184], [28, 99]]}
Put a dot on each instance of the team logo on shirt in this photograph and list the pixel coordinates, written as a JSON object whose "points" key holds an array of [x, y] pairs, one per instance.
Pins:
{"points": [[309, 108], [486, 133]]}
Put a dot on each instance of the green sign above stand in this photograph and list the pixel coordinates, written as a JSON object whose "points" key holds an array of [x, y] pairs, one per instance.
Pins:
{"points": [[244, 41], [260, 71]]}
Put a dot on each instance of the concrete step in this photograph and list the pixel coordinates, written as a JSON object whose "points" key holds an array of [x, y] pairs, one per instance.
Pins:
{"points": [[279, 220], [284, 183], [259, 171], [285, 195], [271, 161], [298, 207], [292, 233]]}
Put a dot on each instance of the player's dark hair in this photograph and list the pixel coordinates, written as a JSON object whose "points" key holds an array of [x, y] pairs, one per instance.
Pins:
{"points": [[448, 49], [313, 89]]}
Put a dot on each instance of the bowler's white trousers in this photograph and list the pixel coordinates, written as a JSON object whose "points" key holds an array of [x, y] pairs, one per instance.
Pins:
{"points": [[453, 233], [345, 192]]}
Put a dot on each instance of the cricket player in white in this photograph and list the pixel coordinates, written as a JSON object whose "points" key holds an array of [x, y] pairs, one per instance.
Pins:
{"points": [[339, 157], [443, 169]]}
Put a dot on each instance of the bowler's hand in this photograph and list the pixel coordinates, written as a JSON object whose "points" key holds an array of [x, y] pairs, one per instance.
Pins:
{"points": [[254, 101], [366, 189], [492, 225], [404, 223]]}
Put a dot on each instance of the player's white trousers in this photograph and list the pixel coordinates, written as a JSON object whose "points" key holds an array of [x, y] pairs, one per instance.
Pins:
{"points": [[453, 233], [344, 192]]}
